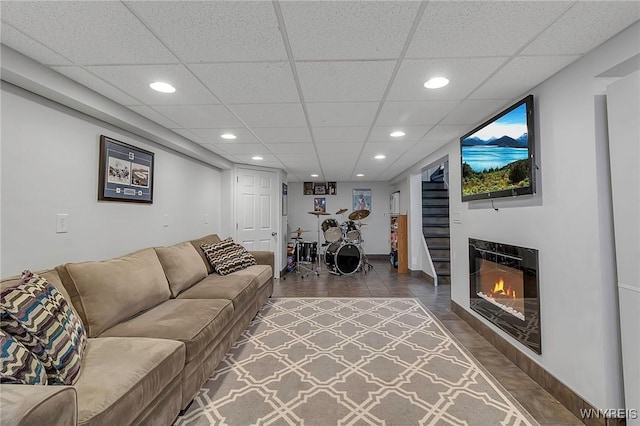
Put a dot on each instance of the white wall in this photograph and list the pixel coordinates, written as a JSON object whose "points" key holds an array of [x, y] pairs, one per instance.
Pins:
{"points": [[376, 233], [50, 165], [568, 221]]}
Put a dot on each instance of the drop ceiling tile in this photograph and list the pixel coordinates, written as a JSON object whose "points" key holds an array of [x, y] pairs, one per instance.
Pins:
{"points": [[340, 134], [29, 47], [135, 80], [470, 112], [344, 160], [249, 82], [270, 115], [390, 150], [374, 30], [445, 132], [88, 32], [339, 149], [586, 25], [243, 149], [213, 135], [414, 113], [96, 84], [283, 134], [298, 149], [342, 114], [483, 28], [215, 31], [412, 133], [216, 149], [199, 116], [344, 81], [154, 115], [520, 75], [189, 135], [464, 75]]}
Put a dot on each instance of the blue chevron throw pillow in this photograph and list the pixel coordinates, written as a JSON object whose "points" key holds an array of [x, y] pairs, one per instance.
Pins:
{"points": [[18, 365], [39, 317]]}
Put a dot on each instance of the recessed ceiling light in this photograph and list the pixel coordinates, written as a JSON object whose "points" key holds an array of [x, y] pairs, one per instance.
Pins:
{"points": [[360, 174], [396, 134], [380, 157], [159, 86], [436, 83], [257, 158], [228, 136], [314, 175]]}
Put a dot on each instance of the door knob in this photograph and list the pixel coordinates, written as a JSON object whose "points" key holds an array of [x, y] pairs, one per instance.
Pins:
{"points": [[273, 234]]}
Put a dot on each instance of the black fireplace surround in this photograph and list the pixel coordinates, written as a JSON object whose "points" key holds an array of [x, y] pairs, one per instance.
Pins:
{"points": [[503, 288]]}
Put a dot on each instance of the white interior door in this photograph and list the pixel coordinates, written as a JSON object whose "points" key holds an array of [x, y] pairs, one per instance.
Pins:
{"points": [[257, 201]]}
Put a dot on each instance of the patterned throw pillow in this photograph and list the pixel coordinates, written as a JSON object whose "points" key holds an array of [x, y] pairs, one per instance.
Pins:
{"points": [[227, 257], [18, 365], [40, 318]]}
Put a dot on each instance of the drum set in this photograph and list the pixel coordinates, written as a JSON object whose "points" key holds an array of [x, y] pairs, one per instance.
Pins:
{"points": [[343, 251]]}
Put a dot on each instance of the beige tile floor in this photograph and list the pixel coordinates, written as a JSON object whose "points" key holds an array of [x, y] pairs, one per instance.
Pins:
{"points": [[383, 281]]}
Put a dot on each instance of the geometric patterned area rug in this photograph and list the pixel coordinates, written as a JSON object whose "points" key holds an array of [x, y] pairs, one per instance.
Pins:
{"points": [[350, 361]]}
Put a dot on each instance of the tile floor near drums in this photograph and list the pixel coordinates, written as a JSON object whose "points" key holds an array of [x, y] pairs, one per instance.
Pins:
{"points": [[383, 281]]}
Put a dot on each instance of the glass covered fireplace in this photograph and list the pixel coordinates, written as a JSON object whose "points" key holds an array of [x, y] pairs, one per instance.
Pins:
{"points": [[503, 287]]}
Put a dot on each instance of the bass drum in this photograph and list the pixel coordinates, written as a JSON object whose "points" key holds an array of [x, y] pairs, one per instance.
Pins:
{"points": [[343, 258]]}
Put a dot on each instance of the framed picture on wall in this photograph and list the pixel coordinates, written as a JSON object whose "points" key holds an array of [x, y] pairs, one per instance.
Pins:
{"points": [[307, 188], [361, 199], [331, 188], [125, 173], [319, 188], [320, 205]]}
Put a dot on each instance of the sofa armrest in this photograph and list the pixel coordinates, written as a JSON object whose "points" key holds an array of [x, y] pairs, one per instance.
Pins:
{"points": [[26, 405], [264, 257]]}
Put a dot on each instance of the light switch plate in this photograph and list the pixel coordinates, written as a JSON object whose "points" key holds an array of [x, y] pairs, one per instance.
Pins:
{"points": [[62, 223]]}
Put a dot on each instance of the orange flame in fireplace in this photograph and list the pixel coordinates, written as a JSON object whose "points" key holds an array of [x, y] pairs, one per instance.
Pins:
{"points": [[499, 290]]}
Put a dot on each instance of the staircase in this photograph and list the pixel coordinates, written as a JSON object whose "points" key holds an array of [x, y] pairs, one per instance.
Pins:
{"points": [[435, 227]]}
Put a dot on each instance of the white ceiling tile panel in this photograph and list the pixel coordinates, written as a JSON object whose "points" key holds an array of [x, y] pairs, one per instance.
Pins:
{"points": [[390, 150], [271, 115], [445, 132], [414, 113], [243, 148], [298, 149], [135, 80], [412, 133], [482, 28], [344, 81], [342, 114], [249, 82], [29, 47], [339, 149], [85, 78], [520, 75], [102, 32], [215, 31], [199, 116], [474, 111], [340, 134], [154, 115], [345, 159], [283, 134], [568, 36], [213, 148], [348, 29], [464, 75], [243, 135]]}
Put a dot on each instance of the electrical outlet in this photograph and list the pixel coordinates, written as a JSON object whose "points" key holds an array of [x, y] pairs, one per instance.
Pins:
{"points": [[62, 223]]}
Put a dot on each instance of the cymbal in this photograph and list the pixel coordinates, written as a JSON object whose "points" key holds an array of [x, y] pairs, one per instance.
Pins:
{"points": [[319, 213], [300, 231], [341, 211], [358, 214]]}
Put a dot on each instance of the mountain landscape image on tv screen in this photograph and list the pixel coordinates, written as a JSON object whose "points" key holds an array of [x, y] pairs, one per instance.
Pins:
{"points": [[496, 156]]}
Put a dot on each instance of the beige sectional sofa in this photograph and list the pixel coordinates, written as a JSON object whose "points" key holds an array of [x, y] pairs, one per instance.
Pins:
{"points": [[158, 322]]}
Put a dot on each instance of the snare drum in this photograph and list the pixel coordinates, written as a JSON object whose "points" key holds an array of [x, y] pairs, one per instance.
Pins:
{"points": [[350, 231], [331, 230]]}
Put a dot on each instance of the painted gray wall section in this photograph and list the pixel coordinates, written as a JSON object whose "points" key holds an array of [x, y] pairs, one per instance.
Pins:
{"points": [[50, 165], [563, 221], [623, 104], [376, 232]]}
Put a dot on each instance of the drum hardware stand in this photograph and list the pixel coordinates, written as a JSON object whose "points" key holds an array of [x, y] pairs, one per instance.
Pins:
{"points": [[301, 265], [317, 214]]}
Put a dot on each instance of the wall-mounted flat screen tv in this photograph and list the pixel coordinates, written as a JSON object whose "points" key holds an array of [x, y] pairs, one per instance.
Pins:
{"points": [[498, 157]]}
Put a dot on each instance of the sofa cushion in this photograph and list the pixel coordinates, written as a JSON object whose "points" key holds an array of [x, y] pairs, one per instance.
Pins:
{"points": [[18, 365], [236, 287], [108, 292], [262, 274], [194, 322], [182, 266], [122, 376], [38, 405], [36, 314], [227, 257], [197, 244]]}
